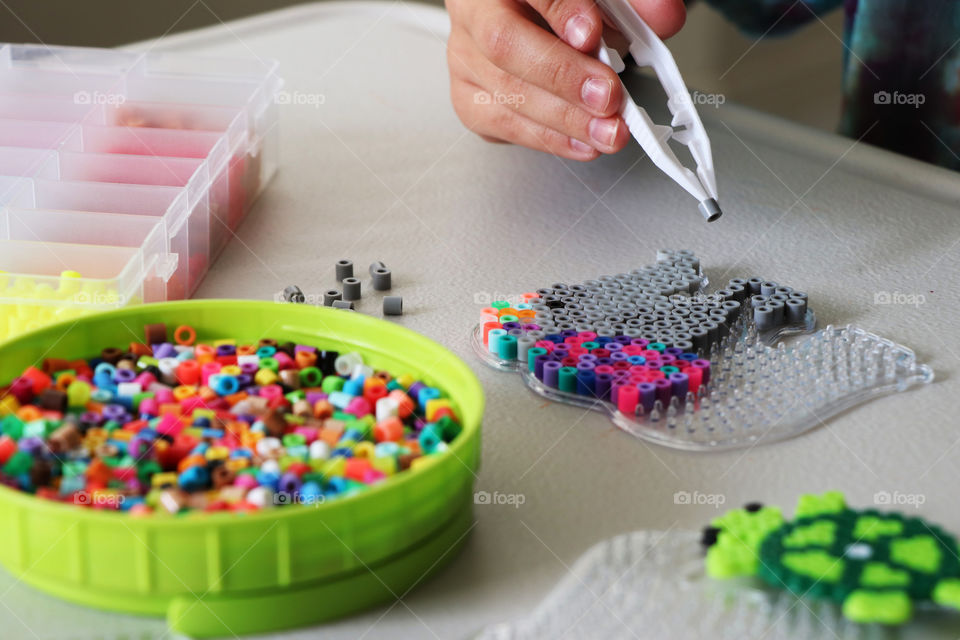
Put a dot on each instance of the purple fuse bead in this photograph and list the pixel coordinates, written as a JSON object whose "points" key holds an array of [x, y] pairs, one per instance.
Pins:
{"points": [[602, 385], [664, 392], [538, 363], [531, 327], [680, 384], [511, 325], [226, 350], [164, 350], [551, 373], [648, 395], [124, 375]]}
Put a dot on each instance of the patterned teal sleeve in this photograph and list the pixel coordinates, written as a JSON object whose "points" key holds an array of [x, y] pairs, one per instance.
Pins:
{"points": [[772, 16]]}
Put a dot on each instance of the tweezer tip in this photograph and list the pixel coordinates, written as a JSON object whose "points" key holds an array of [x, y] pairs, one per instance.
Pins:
{"points": [[710, 209]]}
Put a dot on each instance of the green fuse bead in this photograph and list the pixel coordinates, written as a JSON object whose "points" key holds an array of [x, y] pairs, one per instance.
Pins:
{"points": [[589, 346], [668, 370], [393, 385], [270, 363], [509, 318], [430, 437], [111, 425], [657, 346], [499, 304], [12, 426], [311, 377], [568, 379], [147, 361], [19, 463], [146, 470], [449, 428], [332, 383], [293, 396], [294, 440], [532, 356], [35, 428], [508, 347]]}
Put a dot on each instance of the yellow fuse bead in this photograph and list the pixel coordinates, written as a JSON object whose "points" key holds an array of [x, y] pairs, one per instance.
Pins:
{"points": [[161, 479], [435, 405], [406, 380], [231, 370], [8, 405], [363, 449], [387, 466], [218, 453], [265, 377]]}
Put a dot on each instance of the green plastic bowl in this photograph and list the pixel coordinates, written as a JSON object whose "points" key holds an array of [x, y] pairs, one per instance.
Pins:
{"points": [[216, 574]]}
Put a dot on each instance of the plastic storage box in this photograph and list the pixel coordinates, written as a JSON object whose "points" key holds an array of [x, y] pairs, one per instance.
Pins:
{"points": [[123, 174]]}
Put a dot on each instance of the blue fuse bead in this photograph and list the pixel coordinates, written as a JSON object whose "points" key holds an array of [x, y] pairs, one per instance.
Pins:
{"points": [[194, 478], [311, 493], [225, 385], [426, 395], [342, 452], [354, 386], [351, 435], [586, 382], [335, 485], [268, 479], [266, 352], [636, 360], [339, 399], [689, 357]]}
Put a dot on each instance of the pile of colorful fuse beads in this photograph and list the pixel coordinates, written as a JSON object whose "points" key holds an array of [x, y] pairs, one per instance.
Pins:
{"points": [[179, 425]]}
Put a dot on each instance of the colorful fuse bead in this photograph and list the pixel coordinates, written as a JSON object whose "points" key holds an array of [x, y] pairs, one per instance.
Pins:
{"points": [[173, 425]]}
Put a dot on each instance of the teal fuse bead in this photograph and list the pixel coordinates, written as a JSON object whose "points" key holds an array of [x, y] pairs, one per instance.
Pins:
{"points": [[507, 347], [568, 379], [532, 355]]}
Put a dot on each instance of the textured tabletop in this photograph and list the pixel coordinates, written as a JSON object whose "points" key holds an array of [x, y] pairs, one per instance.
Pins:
{"points": [[376, 166]]}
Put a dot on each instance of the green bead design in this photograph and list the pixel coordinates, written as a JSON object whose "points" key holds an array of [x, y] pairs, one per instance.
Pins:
{"points": [[876, 565]]}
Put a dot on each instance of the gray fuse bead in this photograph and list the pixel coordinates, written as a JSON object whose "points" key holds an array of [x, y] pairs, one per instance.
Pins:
{"points": [[381, 278], [351, 289], [524, 344], [392, 306], [796, 310], [330, 296], [294, 294], [344, 269], [343, 304], [763, 317], [768, 288]]}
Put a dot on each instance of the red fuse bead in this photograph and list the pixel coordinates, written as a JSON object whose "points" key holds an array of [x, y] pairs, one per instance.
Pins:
{"points": [[188, 373], [39, 379], [627, 398]]}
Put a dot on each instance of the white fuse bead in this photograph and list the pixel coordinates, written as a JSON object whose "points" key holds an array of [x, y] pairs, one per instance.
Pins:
{"points": [[319, 450], [387, 408], [267, 447], [346, 363], [168, 369], [261, 497]]}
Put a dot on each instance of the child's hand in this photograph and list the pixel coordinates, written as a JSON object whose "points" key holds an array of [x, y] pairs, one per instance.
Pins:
{"points": [[513, 80]]}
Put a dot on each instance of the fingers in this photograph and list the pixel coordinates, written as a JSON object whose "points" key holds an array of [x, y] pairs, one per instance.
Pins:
{"points": [[607, 135], [500, 123], [578, 22], [522, 49], [665, 17]]}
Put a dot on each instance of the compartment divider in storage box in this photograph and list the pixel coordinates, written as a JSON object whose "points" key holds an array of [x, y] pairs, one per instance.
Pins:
{"points": [[154, 158]]}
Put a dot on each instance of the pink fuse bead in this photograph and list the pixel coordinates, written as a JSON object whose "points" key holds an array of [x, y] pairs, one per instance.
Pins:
{"points": [[285, 361], [309, 433], [169, 425], [546, 344], [245, 481], [373, 475], [358, 407], [149, 406], [271, 391], [208, 370], [145, 379], [164, 396]]}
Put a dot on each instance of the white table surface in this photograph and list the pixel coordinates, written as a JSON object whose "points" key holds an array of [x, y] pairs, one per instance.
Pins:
{"points": [[384, 170]]}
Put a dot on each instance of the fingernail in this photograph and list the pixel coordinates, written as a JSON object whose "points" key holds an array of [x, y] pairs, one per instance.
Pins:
{"points": [[580, 147], [577, 31], [603, 131], [596, 93]]}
